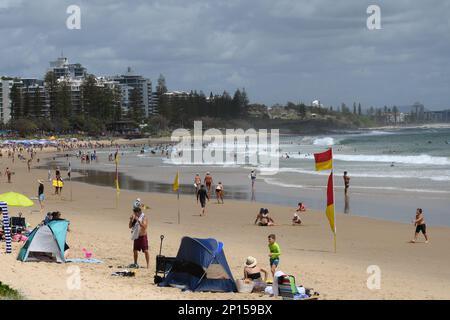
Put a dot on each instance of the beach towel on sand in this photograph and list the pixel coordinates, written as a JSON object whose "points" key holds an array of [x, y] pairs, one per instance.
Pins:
{"points": [[136, 228], [82, 260]]}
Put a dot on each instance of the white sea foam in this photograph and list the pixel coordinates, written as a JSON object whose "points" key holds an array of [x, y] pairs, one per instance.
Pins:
{"points": [[423, 159], [419, 159], [326, 141], [276, 182], [443, 176]]}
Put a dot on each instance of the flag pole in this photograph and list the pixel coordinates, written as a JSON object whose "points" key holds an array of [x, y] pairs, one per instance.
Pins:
{"points": [[70, 181], [178, 201], [334, 198], [117, 178]]}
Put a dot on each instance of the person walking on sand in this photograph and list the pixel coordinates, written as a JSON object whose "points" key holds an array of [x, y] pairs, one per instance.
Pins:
{"points": [[274, 255], [29, 165], [138, 224], [208, 182], [420, 225], [197, 183], [346, 181], [219, 192], [8, 174], [41, 196], [202, 195]]}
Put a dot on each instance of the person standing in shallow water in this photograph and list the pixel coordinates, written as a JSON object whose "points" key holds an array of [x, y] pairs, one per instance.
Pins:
{"points": [[346, 181], [253, 178]]}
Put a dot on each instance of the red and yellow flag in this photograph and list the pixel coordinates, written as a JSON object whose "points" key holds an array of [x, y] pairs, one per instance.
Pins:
{"points": [[324, 160], [330, 203]]}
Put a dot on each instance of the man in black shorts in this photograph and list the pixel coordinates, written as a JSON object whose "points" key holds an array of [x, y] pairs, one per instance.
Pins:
{"points": [[202, 194], [419, 222]]}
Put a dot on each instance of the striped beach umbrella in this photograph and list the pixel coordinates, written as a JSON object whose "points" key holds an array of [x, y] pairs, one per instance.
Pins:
{"points": [[16, 200], [7, 227]]}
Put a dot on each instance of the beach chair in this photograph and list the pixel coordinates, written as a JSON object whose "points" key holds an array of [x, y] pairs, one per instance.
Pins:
{"points": [[163, 264], [18, 224], [288, 290]]}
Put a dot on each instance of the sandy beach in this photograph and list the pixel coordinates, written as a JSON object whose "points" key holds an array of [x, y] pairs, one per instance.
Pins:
{"points": [[408, 271]]}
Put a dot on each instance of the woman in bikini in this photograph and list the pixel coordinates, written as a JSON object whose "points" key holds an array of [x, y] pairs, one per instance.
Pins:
{"points": [[252, 272]]}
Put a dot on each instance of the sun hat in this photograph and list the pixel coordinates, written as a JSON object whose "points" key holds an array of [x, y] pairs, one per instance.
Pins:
{"points": [[251, 262]]}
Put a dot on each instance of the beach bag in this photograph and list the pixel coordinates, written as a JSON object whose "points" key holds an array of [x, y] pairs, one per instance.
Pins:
{"points": [[286, 287], [244, 287], [259, 285]]}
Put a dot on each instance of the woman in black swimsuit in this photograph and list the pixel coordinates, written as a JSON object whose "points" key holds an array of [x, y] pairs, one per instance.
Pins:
{"points": [[253, 273]]}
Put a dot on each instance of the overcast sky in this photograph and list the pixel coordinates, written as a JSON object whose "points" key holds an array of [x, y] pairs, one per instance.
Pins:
{"points": [[279, 50]]}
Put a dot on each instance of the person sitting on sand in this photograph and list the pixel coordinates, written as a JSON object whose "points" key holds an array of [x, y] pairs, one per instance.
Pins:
{"points": [[270, 221], [420, 225], [55, 217], [48, 218], [301, 207], [264, 219], [259, 218], [252, 272], [296, 219]]}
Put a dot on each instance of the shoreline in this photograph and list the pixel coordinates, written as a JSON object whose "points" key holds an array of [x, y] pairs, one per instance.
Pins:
{"points": [[418, 126], [359, 203]]}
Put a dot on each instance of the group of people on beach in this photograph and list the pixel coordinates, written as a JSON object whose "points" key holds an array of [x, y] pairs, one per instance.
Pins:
{"points": [[263, 218], [254, 273], [203, 191], [138, 223]]}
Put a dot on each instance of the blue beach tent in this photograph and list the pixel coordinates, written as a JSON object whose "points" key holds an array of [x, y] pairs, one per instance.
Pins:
{"points": [[45, 243], [200, 265]]}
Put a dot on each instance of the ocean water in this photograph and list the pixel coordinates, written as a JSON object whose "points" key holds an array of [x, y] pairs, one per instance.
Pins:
{"points": [[404, 159], [392, 173]]}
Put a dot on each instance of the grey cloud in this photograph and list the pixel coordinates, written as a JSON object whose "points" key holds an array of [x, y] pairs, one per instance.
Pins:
{"points": [[278, 50]]}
